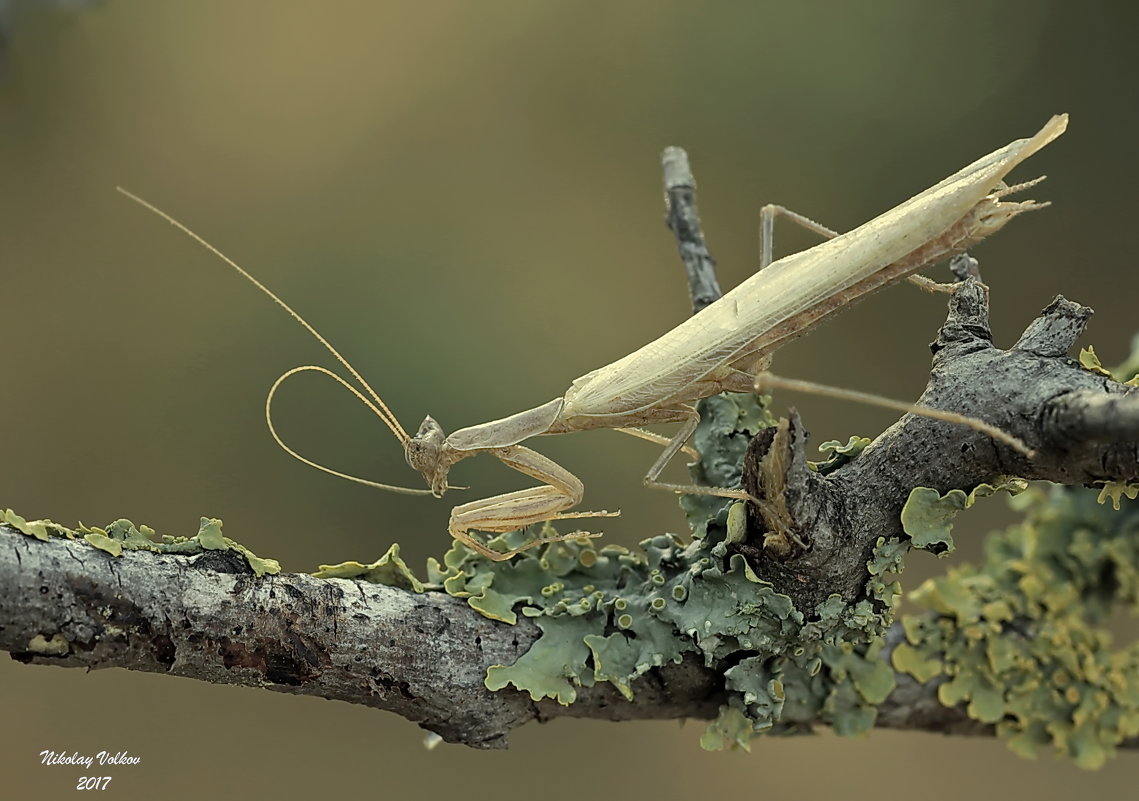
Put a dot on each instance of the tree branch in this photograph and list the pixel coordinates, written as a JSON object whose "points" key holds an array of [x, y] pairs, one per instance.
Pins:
{"points": [[425, 655], [422, 656]]}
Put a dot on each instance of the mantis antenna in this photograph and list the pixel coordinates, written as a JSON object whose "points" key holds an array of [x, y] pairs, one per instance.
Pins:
{"points": [[375, 403]]}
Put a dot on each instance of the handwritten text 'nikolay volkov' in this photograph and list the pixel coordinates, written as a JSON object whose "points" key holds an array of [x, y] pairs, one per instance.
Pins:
{"points": [[76, 758]]}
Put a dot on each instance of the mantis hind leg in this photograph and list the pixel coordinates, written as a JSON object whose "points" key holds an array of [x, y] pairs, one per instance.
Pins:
{"points": [[511, 511]]}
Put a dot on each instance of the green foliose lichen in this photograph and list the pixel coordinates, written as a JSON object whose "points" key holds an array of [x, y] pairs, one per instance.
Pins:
{"points": [[727, 424], [928, 515], [1090, 361], [389, 569], [1126, 373], [1115, 491], [122, 535], [839, 454], [1021, 640], [627, 613]]}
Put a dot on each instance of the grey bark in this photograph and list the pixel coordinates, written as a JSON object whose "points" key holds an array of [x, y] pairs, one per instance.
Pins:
{"points": [[684, 222]]}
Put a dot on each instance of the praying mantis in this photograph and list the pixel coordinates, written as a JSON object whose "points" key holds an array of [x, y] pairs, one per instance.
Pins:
{"points": [[720, 349]]}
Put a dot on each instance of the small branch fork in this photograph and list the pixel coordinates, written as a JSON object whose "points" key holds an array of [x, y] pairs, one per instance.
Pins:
{"points": [[424, 656]]}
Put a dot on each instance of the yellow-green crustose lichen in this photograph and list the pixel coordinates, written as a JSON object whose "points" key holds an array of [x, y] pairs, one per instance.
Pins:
{"points": [[1126, 373], [1021, 638], [122, 535]]}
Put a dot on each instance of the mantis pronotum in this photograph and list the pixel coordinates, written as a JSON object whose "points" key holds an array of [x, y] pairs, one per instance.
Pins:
{"points": [[720, 349]]}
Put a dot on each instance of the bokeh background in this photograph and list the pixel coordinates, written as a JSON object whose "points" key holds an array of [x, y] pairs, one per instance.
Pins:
{"points": [[465, 197]]}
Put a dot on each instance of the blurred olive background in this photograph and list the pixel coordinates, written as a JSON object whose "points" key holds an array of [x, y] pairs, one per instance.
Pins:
{"points": [[465, 197]]}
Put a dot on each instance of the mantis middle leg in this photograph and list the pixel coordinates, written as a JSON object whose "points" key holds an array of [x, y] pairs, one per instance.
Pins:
{"points": [[692, 419], [767, 217]]}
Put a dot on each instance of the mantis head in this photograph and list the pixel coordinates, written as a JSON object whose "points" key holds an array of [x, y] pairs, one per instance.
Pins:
{"points": [[424, 453]]}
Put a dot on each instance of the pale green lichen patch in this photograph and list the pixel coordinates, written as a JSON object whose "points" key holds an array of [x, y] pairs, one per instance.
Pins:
{"points": [[1126, 373], [1020, 640], [727, 424], [40, 529], [122, 535], [862, 680], [928, 515], [104, 543], [732, 730], [58, 645], [1090, 361], [839, 454], [389, 569], [555, 666], [1115, 491], [908, 659], [209, 535]]}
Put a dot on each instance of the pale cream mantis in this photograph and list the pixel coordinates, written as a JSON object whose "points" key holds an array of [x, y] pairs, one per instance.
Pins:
{"points": [[721, 349]]}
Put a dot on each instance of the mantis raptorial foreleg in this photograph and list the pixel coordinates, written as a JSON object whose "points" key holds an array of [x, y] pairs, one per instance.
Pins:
{"points": [[513, 510]]}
